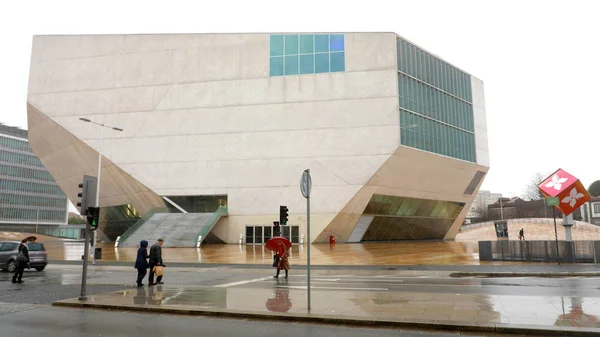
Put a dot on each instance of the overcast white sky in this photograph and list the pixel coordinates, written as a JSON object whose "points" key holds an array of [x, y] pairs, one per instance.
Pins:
{"points": [[539, 60]]}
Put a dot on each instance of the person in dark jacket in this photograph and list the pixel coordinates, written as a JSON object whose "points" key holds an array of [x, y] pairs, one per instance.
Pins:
{"points": [[141, 263], [155, 260], [22, 262]]}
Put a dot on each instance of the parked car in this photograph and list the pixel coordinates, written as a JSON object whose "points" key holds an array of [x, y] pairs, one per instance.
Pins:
{"points": [[38, 257]]}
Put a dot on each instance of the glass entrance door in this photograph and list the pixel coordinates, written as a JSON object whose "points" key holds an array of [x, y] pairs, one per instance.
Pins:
{"points": [[258, 235]]}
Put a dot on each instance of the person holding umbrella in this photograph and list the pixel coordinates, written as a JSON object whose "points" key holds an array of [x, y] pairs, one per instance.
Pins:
{"points": [[22, 262], [283, 253]]}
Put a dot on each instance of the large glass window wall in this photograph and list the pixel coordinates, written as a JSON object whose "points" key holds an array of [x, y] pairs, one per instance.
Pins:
{"points": [[425, 100], [16, 199], [418, 63], [25, 173], [116, 220], [33, 214], [436, 111], [29, 187], [294, 54], [431, 135], [198, 203], [19, 158], [15, 144], [400, 218]]}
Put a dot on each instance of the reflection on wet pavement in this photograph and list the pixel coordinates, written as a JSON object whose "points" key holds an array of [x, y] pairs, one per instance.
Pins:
{"points": [[383, 305], [432, 253]]}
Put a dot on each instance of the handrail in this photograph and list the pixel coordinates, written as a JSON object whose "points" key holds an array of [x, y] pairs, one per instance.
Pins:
{"points": [[221, 211], [141, 221]]}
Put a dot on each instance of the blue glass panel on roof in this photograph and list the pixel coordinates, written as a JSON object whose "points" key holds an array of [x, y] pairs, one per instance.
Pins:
{"points": [[322, 63], [276, 45], [336, 42], [307, 44], [321, 43], [307, 64], [337, 62], [291, 65], [291, 44], [276, 67]]}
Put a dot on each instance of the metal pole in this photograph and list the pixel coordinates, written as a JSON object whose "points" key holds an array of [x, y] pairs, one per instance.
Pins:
{"points": [[97, 193], [86, 252], [308, 243], [556, 235], [501, 212]]}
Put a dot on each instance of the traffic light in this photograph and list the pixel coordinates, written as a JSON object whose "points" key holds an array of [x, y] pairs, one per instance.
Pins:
{"points": [[283, 215], [93, 217], [87, 195], [276, 224]]}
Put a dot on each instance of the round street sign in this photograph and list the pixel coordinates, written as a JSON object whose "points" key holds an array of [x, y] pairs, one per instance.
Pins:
{"points": [[305, 183]]}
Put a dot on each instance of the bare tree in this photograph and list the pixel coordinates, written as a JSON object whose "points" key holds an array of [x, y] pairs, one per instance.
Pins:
{"points": [[532, 192], [482, 212]]}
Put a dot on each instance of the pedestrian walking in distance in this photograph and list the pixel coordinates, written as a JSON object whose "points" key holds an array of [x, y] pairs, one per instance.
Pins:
{"points": [[22, 262], [521, 234], [141, 262], [156, 261]]}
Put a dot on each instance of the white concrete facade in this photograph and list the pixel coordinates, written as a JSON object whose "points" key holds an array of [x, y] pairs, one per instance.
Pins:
{"points": [[202, 116]]}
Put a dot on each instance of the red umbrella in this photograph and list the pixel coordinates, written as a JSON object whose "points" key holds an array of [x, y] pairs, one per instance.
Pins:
{"points": [[31, 238], [274, 242]]}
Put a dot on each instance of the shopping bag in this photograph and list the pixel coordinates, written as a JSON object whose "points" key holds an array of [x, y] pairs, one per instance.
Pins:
{"points": [[159, 270]]}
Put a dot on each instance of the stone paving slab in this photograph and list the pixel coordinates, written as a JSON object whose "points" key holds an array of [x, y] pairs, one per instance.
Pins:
{"points": [[485, 313]]}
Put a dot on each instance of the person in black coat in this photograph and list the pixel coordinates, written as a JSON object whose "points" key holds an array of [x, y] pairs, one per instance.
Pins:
{"points": [[140, 262], [22, 262], [155, 260]]}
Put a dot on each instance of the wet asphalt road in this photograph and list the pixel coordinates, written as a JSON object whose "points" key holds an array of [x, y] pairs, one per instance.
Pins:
{"points": [[25, 310]]}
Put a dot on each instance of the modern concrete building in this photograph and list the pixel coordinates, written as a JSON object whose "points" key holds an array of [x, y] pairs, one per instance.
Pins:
{"points": [[30, 199], [482, 200], [395, 137]]}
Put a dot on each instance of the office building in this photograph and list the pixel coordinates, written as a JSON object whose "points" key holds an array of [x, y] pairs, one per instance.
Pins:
{"points": [[29, 196]]}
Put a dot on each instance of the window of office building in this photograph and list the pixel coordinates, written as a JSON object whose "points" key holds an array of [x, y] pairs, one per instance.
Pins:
{"points": [[294, 54], [436, 111]]}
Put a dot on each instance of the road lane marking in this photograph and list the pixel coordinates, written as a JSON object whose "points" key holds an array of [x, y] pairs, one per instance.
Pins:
{"points": [[333, 288], [225, 285]]}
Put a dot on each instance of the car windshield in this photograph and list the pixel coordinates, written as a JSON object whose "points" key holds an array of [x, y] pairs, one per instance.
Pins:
{"points": [[36, 247]]}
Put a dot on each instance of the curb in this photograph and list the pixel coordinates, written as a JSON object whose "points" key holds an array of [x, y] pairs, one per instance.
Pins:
{"points": [[351, 321], [509, 274]]}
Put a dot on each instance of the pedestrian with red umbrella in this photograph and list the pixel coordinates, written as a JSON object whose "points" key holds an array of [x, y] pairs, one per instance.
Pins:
{"points": [[282, 247]]}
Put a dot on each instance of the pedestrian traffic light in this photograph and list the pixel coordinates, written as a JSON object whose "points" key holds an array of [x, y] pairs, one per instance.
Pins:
{"points": [[283, 215], [276, 224], [87, 195], [93, 217]]}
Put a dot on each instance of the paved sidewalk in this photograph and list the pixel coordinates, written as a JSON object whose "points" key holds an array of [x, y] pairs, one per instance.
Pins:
{"points": [[489, 270], [536, 315]]}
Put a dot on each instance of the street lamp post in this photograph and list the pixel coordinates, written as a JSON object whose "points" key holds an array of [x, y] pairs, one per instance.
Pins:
{"points": [[102, 126]]}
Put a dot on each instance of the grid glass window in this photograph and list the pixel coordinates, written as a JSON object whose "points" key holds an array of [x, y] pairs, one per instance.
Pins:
{"points": [[400, 218], [436, 111], [430, 135], [293, 54], [27, 190]]}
